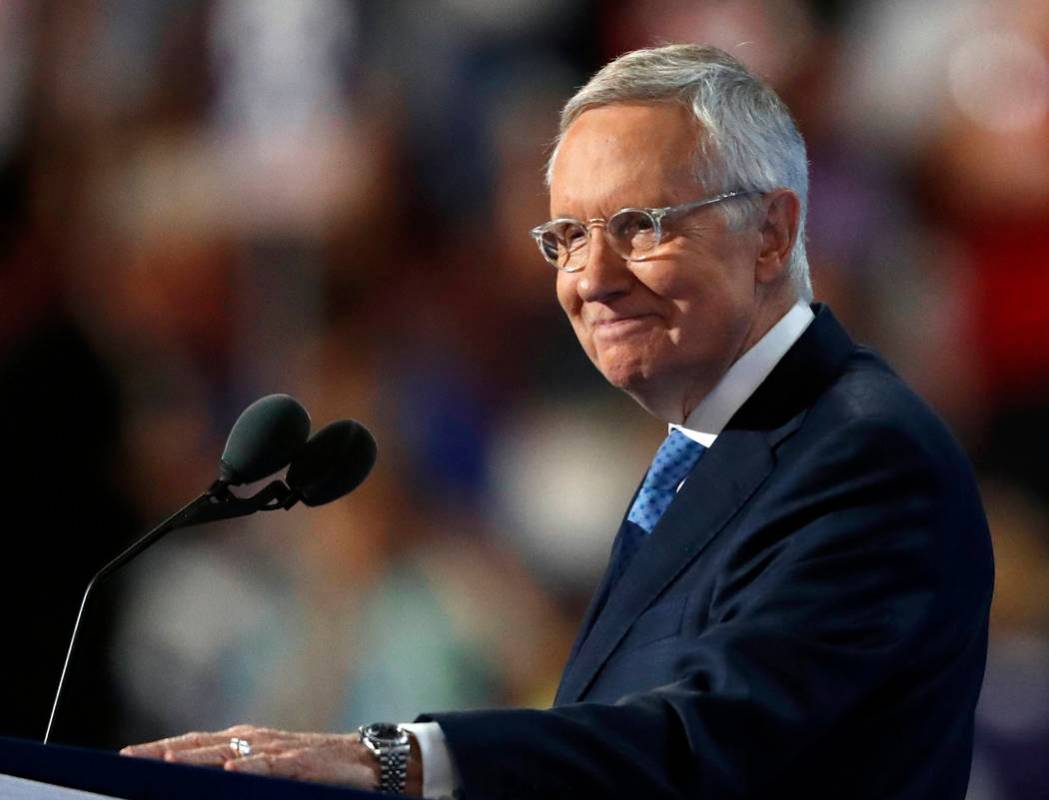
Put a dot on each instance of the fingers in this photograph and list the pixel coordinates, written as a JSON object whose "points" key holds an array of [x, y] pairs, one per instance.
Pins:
{"points": [[216, 755], [212, 756], [159, 748], [172, 748], [326, 758]]}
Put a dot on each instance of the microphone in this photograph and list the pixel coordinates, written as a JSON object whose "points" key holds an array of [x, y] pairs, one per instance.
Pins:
{"points": [[334, 462], [265, 438]]}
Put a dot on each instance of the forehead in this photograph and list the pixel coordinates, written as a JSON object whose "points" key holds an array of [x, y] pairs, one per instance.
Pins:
{"points": [[625, 154]]}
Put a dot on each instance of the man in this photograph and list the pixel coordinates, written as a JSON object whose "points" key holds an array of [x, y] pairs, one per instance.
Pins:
{"points": [[797, 600]]}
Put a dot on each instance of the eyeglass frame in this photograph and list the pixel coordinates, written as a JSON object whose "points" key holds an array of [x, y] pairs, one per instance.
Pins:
{"points": [[657, 215]]}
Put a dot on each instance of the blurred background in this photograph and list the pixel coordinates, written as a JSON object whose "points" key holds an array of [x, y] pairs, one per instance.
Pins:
{"points": [[205, 201]]}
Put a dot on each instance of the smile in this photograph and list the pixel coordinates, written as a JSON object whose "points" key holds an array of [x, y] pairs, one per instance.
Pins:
{"points": [[623, 326]]}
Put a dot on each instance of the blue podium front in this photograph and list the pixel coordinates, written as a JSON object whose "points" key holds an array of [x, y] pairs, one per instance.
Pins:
{"points": [[110, 774]]}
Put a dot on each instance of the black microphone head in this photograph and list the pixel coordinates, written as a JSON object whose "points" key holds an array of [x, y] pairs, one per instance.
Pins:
{"points": [[265, 438], [334, 462]]}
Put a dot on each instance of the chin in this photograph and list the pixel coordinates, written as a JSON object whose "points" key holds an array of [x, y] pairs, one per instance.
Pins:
{"points": [[628, 376], [631, 364], [650, 388]]}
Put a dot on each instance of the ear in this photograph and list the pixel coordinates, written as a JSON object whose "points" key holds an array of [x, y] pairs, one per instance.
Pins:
{"points": [[779, 230]]}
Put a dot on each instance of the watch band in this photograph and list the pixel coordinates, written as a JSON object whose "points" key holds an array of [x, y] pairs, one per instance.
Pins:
{"points": [[391, 746]]}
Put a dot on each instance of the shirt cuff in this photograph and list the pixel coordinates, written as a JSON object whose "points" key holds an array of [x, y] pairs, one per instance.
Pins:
{"points": [[440, 777]]}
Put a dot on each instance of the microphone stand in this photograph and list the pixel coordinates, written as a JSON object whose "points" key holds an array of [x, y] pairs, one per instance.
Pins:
{"points": [[217, 503]]}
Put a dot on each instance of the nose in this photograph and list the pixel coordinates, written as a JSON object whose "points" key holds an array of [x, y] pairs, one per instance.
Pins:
{"points": [[606, 274]]}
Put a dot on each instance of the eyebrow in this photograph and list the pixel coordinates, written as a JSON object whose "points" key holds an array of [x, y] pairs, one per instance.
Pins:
{"points": [[607, 214]]}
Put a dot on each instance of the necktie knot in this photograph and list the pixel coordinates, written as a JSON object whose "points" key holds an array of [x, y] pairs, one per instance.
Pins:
{"points": [[673, 461]]}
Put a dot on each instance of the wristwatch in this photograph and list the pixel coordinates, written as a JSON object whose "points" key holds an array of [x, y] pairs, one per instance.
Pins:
{"points": [[391, 746]]}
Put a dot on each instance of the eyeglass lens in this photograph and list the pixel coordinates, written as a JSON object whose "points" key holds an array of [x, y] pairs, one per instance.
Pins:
{"points": [[632, 233]]}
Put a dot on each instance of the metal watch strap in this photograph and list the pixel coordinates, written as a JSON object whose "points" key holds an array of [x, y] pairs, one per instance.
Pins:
{"points": [[391, 747]]}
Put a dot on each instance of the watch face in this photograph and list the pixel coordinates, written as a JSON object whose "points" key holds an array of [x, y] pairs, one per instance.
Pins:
{"points": [[385, 733]]}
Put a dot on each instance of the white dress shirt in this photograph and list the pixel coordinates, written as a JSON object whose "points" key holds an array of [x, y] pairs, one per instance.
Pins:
{"points": [[707, 420], [743, 378]]}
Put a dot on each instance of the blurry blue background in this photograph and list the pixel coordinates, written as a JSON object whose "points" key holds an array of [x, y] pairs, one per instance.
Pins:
{"points": [[202, 202]]}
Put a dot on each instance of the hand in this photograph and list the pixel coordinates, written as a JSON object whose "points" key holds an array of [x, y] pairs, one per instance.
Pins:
{"points": [[323, 757]]}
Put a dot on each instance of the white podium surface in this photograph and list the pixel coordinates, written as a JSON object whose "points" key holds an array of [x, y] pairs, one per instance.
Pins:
{"points": [[12, 788]]}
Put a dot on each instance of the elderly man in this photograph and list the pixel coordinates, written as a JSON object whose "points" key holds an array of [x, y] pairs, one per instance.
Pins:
{"points": [[796, 603]]}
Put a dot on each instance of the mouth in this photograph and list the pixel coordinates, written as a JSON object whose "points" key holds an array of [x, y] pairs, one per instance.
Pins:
{"points": [[618, 327]]}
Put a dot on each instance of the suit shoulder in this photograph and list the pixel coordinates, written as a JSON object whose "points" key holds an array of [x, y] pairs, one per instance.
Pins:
{"points": [[870, 450], [868, 399], [868, 428]]}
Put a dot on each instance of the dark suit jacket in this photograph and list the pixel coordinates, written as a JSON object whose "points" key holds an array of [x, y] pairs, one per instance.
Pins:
{"points": [[808, 619]]}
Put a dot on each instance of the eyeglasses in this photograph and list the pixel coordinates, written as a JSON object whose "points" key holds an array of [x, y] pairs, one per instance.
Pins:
{"points": [[633, 233]]}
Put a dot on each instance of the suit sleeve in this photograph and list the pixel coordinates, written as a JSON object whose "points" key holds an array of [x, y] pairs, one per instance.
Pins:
{"points": [[860, 571]]}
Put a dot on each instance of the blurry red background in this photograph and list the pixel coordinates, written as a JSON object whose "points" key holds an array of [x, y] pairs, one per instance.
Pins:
{"points": [[203, 202]]}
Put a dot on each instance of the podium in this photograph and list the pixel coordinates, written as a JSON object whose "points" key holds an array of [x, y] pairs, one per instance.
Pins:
{"points": [[56, 769]]}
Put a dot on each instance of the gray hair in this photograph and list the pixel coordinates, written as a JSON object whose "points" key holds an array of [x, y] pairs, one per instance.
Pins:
{"points": [[748, 138]]}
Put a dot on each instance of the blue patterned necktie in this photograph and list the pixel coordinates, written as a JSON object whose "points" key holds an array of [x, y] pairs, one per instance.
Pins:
{"points": [[673, 462]]}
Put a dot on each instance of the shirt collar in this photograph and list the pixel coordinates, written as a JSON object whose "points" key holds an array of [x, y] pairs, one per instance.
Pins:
{"points": [[741, 379]]}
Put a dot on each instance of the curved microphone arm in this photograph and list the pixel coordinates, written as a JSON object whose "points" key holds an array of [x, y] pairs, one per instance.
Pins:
{"points": [[217, 503]]}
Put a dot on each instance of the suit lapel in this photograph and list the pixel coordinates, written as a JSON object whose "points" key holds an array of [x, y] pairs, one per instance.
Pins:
{"points": [[597, 601], [723, 480], [725, 477]]}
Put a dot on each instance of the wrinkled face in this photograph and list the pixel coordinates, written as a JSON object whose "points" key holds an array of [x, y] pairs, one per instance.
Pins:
{"points": [[664, 329]]}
